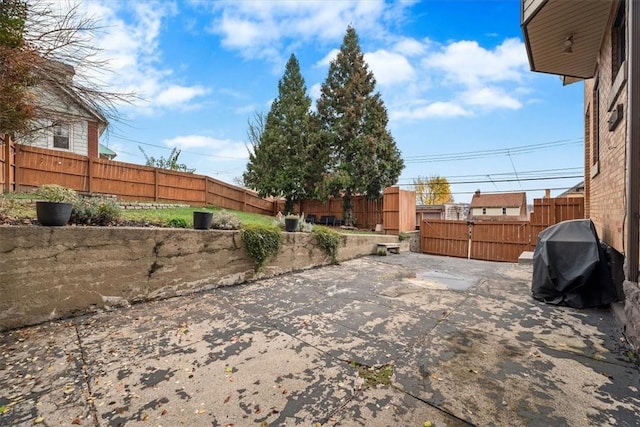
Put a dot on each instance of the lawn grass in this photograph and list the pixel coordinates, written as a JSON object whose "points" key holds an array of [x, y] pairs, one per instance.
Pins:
{"points": [[10, 205], [165, 215]]}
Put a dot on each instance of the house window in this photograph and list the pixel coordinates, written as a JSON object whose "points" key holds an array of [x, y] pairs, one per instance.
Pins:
{"points": [[618, 42], [504, 211], [61, 136], [484, 211]]}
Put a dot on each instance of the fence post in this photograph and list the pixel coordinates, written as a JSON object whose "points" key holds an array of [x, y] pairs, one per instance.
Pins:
{"points": [[7, 163], [90, 175], [155, 184]]}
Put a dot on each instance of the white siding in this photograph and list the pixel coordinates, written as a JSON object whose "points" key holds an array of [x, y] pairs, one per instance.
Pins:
{"points": [[64, 112], [513, 211]]}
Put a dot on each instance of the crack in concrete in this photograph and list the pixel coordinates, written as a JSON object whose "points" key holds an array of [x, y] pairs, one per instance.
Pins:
{"points": [[87, 378]]}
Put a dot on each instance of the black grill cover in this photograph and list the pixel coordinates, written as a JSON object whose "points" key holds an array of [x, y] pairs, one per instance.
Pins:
{"points": [[570, 266]]}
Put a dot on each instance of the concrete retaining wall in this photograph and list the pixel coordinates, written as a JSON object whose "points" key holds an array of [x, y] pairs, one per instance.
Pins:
{"points": [[50, 272]]}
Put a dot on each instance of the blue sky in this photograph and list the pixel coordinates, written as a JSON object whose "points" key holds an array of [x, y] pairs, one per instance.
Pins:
{"points": [[453, 75]]}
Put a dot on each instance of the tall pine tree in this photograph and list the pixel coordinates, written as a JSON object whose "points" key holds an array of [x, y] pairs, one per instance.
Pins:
{"points": [[353, 121], [278, 165]]}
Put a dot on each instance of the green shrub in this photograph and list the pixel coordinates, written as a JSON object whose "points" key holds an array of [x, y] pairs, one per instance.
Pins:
{"points": [[178, 223], [224, 220], [328, 240], [403, 236], [95, 211], [261, 243], [56, 193]]}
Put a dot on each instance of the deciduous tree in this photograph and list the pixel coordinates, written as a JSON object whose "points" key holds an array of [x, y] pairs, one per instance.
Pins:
{"points": [[47, 43], [434, 190], [353, 121]]}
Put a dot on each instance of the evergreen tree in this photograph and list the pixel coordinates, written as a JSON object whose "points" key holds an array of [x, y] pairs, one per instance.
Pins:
{"points": [[278, 165], [353, 121]]}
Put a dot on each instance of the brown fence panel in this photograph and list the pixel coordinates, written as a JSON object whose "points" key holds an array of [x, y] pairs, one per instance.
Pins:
{"points": [[499, 241], [447, 238], [37, 166], [185, 187], [126, 180], [548, 211]]}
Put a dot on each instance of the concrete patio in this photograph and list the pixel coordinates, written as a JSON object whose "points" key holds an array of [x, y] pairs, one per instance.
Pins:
{"points": [[460, 342]]}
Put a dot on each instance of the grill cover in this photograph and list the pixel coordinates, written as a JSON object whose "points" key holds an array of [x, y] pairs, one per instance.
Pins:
{"points": [[570, 266]]}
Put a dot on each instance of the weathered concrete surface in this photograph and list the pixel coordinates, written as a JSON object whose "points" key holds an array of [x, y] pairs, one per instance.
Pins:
{"points": [[54, 272], [468, 344]]}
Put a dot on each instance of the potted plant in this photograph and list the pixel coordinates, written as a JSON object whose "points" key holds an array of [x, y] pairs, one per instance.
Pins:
{"points": [[55, 204], [202, 220], [291, 223]]}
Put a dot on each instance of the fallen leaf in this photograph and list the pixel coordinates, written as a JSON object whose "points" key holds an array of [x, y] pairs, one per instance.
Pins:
{"points": [[200, 411], [427, 424], [145, 417], [228, 369], [227, 399], [76, 421], [38, 420], [164, 412]]}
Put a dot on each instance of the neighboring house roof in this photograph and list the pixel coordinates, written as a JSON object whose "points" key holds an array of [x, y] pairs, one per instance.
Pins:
{"points": [[59, 77], [576, 189], [106, 153], [501, 200]]}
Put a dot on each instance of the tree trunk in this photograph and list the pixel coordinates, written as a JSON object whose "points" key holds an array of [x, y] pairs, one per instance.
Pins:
{"points": [[347, 209], [288, 206]]}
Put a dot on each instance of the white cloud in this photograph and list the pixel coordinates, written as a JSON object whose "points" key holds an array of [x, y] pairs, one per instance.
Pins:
{"points": [[261, 29], [178, 95], [410, 47], [131, 50], [389, 68], [245, 109], [438, 109], [331, 56], [315, 91], [466, 62], [224, 148], [490, 98]]}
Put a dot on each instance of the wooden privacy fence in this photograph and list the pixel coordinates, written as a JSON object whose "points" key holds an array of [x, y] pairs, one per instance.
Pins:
{"points": [[24, 167], [497, 240], [396, 210], [35, 166]]}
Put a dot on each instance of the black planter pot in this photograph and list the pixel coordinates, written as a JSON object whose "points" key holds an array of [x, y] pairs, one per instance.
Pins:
{"points": [[291, 224], [53, 214], [202, 220]]}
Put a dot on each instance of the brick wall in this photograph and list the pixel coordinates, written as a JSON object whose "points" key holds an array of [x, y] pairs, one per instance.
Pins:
{"points": [[605, 162]]}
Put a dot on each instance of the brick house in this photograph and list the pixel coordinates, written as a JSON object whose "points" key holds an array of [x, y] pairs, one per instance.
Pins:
{"points": [[498, 207], [66, 122], [599, 42]]}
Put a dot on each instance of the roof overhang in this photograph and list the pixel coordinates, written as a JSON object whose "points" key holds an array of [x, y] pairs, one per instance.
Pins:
{"points": [[564, 36]]}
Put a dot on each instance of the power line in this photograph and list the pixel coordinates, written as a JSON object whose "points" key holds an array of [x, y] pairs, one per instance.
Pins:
{"points": [[538, 172], [469, 155], [505, 191], [117, 136]]}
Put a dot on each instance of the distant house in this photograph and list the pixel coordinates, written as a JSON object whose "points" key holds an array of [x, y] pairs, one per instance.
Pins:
{"points": [[498, 207], [67, 122], [575, 191], [447, 211]]}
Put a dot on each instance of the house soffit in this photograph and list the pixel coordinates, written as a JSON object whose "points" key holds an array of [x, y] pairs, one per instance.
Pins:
{"points": [[548, 26]]}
